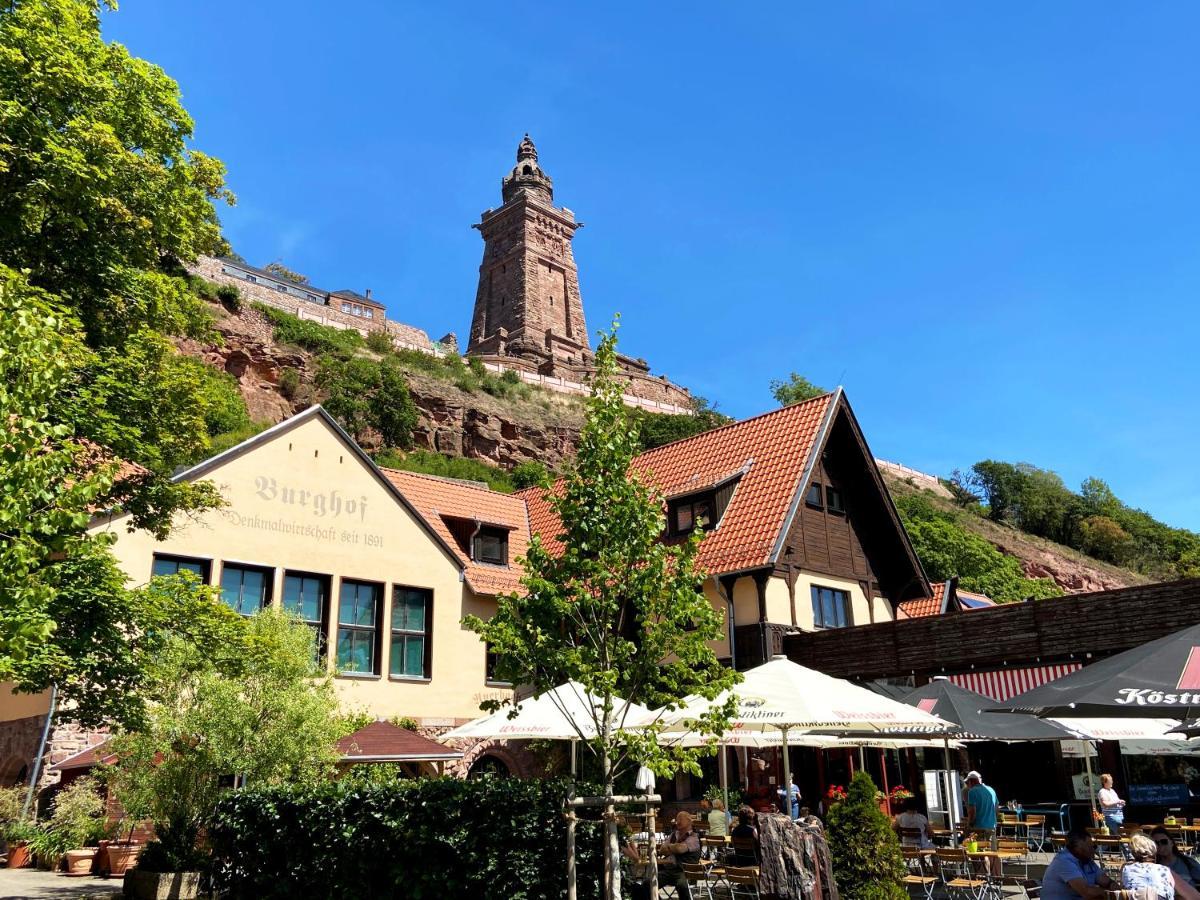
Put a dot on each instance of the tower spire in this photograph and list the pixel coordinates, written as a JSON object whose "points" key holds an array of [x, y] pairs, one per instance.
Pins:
{"points": [[526, 176]]}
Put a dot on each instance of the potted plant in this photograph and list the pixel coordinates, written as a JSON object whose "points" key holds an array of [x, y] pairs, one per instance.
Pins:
{"points": [[17, 835], [75, 824]]}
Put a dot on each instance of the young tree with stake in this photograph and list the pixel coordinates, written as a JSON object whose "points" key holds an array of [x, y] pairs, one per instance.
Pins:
{"points": [[608, 605]]}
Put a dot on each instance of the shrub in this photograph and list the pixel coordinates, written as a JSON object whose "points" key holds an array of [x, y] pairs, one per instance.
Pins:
{"points": [[380, 342], [430, 463], [867, 862], [530, 473], [289, 329], [426, 838], [230, 296], [289, 382]]}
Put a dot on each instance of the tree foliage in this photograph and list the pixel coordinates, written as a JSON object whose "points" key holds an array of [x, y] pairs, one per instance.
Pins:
{"points": [[617, 610], [1092, 520], [867, 863], [795, 389], [947, 550], [363, 393], [656, 429], [255, 704], [279, 269]]}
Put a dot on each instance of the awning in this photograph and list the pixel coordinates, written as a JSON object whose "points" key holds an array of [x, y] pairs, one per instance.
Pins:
{"points": [[384, 742], [1005, 683], [95, 755]]}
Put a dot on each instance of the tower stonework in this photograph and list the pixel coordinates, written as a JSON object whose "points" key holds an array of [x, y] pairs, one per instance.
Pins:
{"points": [[528, 304]]}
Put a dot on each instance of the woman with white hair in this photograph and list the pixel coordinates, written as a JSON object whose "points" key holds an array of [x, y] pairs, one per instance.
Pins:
{"points": [[1144, 874]]}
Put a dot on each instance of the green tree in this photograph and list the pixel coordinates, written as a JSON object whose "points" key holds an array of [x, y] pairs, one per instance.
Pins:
{"points": [[1000, 484], [364, 394], [656, 429], [258, 706], [1103, 538], [48, 482], [617, 611], [101, 199], [867, 862], [530, 473], [796, 389]]}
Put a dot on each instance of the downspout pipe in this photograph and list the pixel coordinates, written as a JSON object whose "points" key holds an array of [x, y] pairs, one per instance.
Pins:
{"points": [[37, 762]]}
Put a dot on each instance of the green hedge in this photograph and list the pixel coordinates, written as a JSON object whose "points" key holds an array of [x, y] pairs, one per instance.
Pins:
{"points": [[489, 838]]}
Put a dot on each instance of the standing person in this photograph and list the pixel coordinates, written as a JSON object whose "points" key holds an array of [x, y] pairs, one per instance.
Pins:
{"points": [[1073, 873], [1144, 872], [981, 815], [1180, 863], [795, 795], [1112, 807]]}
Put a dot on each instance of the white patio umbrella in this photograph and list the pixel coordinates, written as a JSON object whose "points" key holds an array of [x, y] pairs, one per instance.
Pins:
{"points": [[565, 713], [781, 696]]}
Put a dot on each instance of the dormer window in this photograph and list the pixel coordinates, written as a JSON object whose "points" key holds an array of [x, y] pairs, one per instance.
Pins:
{"points": [[689, 513], [490, 545]]}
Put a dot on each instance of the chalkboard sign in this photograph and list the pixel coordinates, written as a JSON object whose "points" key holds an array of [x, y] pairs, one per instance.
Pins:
{"points": [[1159, 794]]}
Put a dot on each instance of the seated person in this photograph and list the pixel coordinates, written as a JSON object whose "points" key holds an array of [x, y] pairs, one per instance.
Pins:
{"points": [[1144, 873], [682, 846], [1073, 873], [1169, 855], [745, 830], [911, 818]]}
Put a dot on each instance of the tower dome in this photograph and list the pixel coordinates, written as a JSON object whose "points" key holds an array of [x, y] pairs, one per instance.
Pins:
{"points": [[527, 176]]}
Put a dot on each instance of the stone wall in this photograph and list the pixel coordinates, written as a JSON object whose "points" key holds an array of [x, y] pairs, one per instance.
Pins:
{"points": [[405, 336], [18, 745]]}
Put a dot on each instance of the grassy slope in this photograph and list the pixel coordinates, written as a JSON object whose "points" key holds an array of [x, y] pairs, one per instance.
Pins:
{"points": [[1060, 560]]}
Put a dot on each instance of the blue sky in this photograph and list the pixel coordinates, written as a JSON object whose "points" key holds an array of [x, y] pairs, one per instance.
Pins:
{"points": [[982, 222]]}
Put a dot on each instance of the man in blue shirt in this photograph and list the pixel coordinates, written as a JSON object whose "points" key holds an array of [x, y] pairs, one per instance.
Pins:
{"points": [[981, 815], [1073, 873]]}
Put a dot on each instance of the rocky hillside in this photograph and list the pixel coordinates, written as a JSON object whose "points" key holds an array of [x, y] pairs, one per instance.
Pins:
{"points": [[544, 426]]}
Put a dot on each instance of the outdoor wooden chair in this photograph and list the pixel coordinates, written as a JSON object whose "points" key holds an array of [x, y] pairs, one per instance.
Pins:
{"points": [[958, 877], [909, 837], [742, 882], [1015, 866], [697, 876], [1058, 841], [744, 848], [919, 872], [713, 848], [1035, 832]]}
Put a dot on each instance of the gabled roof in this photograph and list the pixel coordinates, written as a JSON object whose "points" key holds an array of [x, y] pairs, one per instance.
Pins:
{"points": [[196, 471], [438, 499], [771, 452], [385, 742], [772, 456]]}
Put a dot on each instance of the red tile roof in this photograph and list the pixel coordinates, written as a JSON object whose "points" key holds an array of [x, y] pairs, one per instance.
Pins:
{"points": [[437, 499], [923, 606], [771, 450], [383, 741]]}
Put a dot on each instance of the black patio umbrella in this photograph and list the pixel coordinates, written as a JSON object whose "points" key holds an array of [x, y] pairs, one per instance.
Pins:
{"points": [[1158, 680], [967, 709]]}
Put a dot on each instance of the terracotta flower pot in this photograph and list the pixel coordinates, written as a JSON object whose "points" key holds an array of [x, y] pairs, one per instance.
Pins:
{"points": [[18, 855], [122, 857], [79, 862]]}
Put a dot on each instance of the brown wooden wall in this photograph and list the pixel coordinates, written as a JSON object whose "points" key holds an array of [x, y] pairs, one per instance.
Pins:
{"points": [[1057, 630], [828, 543]]}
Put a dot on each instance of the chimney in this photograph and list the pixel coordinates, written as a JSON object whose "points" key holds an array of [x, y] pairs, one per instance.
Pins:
{"points": [[368, 293]]}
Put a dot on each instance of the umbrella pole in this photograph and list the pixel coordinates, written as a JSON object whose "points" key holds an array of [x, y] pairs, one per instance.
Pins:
{"points": [[574, 756], [862, 758], [883, 772], [787, 776], [725, 776], [949, 797], [1087, 766]]}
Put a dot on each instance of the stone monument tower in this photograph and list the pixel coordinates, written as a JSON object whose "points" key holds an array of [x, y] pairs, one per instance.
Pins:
{"points": [[528, 304]]}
